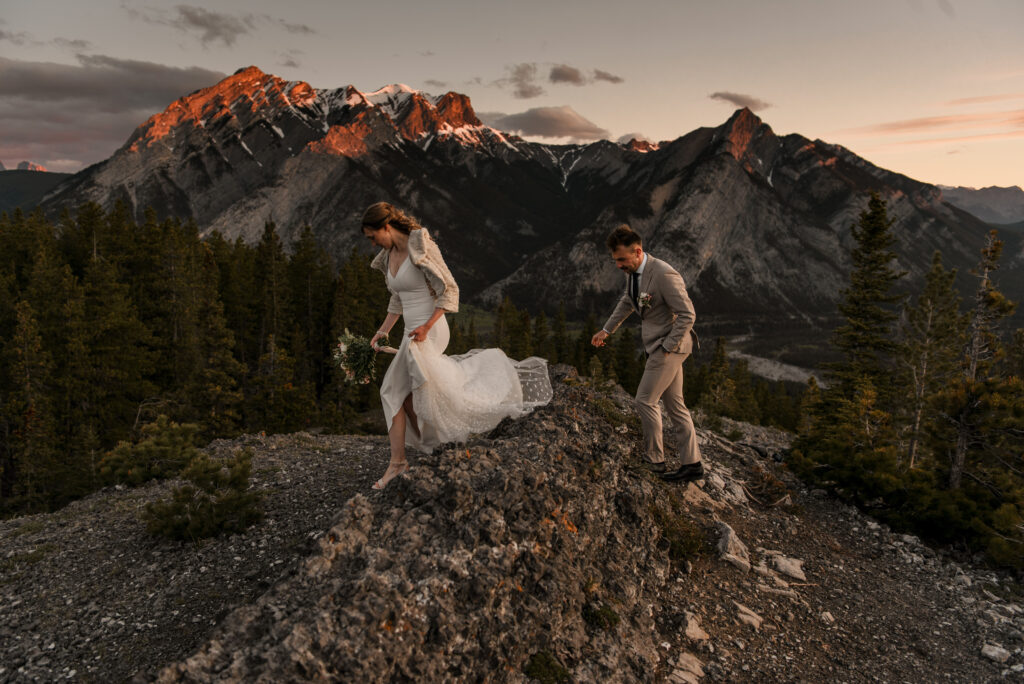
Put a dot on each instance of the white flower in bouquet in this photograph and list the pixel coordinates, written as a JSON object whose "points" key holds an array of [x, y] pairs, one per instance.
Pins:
{"points": [[355, 357]]}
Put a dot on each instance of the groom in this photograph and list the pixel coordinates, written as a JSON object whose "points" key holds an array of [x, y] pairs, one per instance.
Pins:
{"points": [[656, 292]]}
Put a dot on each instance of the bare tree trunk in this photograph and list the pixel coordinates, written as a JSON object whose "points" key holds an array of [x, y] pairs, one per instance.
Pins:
{"points": [[914, 436], [956, 468]]}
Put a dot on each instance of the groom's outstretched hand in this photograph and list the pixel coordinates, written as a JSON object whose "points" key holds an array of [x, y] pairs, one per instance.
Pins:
{"points": [[598, 339]]}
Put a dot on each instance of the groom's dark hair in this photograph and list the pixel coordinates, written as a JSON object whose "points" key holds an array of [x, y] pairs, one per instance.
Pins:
{"points": [[623, 236]]}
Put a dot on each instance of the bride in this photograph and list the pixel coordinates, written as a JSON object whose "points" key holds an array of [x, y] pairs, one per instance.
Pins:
{"points": [[430, 398]]}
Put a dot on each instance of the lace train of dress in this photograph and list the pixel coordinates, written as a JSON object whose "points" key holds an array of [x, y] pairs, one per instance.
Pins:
{"points": [[453, 396]]}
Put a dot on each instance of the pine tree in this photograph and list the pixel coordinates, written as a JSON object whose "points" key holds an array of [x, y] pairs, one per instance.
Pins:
{"points": [[276, 403], [931, 335], [719, 397], [866, 338], [560, 338], [964, 402], [31, 475], [311, 282], [118, 348], [274, 297], [212, 391]]}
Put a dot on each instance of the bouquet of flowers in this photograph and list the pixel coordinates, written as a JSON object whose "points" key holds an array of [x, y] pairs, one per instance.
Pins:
{"points": [[355, 357]]}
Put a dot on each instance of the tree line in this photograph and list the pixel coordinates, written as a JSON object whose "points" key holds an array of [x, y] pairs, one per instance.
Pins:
{"points": [[922, 422], [108, 324]]}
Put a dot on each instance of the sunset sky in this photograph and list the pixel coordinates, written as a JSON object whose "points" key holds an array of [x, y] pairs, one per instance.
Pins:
{"points": [[930, 88]]}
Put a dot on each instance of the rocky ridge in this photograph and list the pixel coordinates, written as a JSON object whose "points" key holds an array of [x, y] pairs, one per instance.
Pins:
{"points": [[539, 545]]}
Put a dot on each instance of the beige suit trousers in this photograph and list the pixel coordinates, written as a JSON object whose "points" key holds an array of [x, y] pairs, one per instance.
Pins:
{"points": [[663, 380]]}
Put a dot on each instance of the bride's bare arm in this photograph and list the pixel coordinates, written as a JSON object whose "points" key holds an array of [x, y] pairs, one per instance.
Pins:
{"points": [[384, 328], [420, 333]]}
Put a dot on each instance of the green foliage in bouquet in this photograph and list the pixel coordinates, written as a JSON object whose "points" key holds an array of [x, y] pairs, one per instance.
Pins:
{"points": [[165, 449], [217, 501], [355, 357]]}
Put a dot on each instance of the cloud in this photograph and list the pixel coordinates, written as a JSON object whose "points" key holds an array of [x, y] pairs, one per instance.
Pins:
{"points": [[949, 122], [20, 38], [523, 80], [72, 45], [84, 112], [547, 122], [434, 83], [300, 29], [623, 139], [740, 100], [986, 99], [290, 58], [563, 73], [605, 76], [212, 26]]}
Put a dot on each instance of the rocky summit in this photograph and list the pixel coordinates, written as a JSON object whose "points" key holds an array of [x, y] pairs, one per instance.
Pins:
{"points": [[758, 223], [541, 551]]}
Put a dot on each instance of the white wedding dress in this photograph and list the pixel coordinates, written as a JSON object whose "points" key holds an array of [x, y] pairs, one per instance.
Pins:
{"points": [[453, 396]]}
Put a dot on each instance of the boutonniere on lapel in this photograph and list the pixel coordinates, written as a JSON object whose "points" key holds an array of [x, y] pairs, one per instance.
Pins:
{"points": [[644, 300]]}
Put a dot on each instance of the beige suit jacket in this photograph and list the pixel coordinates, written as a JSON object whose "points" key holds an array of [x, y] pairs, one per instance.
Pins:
{"points": [[667, 319]]}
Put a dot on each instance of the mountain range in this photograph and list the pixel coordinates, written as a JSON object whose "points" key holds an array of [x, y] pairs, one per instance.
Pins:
{"points": [[758, 223], [993, 204]]}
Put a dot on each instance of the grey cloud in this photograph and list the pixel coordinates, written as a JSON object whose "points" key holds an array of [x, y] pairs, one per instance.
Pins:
{"points": [[73, 45], [947, 8], [523, 79], [290, 58], [85, 112], [301, 29], [605, 76], [19, 38], [212, 26], [563, 73], [547, 122], [434, 83], [740, 100]]}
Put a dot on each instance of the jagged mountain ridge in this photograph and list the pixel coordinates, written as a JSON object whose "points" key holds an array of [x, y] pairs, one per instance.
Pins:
{"points": [[993, 204], [757, 223]]}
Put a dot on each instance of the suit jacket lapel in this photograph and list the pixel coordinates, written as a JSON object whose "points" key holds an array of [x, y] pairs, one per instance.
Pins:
{"points": [[645, 279]]}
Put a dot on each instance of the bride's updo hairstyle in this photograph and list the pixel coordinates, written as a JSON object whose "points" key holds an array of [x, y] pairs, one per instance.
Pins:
{"points": [[381, 213]]}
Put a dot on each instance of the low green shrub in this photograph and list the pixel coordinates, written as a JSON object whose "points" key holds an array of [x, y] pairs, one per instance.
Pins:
{"points": [[217, 501]]}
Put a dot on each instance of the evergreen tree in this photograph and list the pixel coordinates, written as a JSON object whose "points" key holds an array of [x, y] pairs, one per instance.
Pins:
{"points": [[628, 360], [311, 282], [560, 338], [1015, 354], [543, 342], [275, 319], [119, 356], [719, 397], [30, 472], [865, 339], [746, 408], [965, 402], [931, 335], [212, 391], [276, 403]]}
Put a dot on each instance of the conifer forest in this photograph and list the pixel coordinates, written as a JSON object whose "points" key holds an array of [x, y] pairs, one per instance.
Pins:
{"points": [[116, 334]]}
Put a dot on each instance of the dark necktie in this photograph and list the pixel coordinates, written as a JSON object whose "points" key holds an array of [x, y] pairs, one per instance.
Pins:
{"points": [[634, 290]]}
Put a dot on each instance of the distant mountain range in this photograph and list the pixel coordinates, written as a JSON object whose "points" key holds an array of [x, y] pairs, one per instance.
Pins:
{"points": [[757, 223], [26, 188], [992, 204]]}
